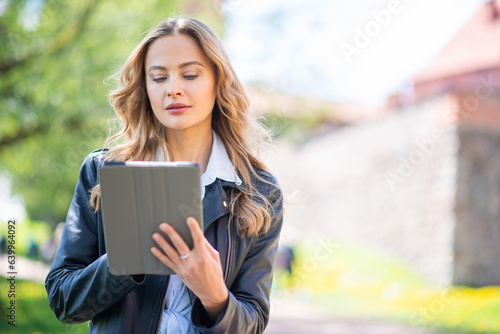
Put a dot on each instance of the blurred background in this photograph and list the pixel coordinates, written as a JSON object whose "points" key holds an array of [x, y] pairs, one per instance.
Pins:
{"points": [[386, 120]]}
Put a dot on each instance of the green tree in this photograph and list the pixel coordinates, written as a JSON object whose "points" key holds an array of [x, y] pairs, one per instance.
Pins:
{"points": [[54, 58]]}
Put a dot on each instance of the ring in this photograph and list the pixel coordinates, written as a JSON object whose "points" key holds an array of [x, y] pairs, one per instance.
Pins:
{"points": [[185, 256]]}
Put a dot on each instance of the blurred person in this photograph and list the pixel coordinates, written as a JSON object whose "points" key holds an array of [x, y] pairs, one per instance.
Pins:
{"points": [[33, 251], [284, 264], [178, 99], [48, 250], [3, 245], [287, 258]]}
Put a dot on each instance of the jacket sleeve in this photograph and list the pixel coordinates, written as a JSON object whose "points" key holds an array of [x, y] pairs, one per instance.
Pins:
{"points": [[79, 285], [248, 306]]}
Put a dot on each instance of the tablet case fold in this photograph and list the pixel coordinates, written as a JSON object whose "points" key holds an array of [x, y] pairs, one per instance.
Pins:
{"points": [[136, 197]]}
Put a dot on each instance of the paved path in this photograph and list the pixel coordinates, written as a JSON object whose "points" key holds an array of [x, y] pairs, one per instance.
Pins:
{"points": [[25, 269], [296, 325], [295, 317]]}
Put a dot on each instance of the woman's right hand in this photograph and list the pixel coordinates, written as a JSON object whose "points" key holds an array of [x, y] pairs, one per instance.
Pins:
{"points": [[199, 269]]}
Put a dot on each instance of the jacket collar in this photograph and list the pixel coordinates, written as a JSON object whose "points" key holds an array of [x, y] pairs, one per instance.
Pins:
{"points": [[219, 166], [215, 202]]}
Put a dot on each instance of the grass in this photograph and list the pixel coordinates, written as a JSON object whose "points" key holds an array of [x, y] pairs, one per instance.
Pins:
{"points": [[33, 314], [354, 281]]}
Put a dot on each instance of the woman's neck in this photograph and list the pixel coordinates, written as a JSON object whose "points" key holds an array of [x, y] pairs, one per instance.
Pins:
{"points": [[194, 146]]}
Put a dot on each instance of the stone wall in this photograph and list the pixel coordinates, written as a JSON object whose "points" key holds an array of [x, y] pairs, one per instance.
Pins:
{"points": [[422, 183], [477, 231], [388, 183]]}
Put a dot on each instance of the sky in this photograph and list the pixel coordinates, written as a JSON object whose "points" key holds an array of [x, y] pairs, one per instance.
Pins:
{"points": [[343, 51]]}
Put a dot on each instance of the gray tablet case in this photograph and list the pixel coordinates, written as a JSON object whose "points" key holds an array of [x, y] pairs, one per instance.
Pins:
{"points": [[136, 197]]}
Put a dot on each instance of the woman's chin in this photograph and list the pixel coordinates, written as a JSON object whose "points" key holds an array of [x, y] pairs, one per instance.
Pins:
{"points": [[185, 123], [181, 126]]}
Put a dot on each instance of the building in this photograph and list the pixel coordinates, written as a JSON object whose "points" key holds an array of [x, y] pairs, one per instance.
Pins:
{"points": [[423, 181]]}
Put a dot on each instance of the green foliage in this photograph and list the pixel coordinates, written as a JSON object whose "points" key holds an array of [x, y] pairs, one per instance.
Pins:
{"points": [[54, 61], [297, 128], [33, 314]]}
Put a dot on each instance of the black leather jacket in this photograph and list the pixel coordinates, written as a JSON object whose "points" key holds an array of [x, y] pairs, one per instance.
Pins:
{"points": [[80, 287]]}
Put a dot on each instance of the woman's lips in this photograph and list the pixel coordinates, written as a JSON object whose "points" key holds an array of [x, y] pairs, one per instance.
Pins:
{"points": [[177, 110]]}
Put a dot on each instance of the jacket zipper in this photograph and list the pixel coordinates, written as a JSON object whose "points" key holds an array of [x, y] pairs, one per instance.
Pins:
{"points": [[229, 239], [228, 249]]}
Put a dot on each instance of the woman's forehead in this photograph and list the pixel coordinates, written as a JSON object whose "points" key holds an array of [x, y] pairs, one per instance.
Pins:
{"points": [[173, 51]]}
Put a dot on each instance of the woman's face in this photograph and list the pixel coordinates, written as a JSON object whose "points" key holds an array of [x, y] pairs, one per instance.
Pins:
{"points": [[180, 82]]}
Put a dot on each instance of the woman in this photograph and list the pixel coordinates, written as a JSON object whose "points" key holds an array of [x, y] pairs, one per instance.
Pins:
{"points": [[179, 99]]}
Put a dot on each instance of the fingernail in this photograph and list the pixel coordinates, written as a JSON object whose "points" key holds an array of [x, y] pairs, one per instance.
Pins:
{"points": [[156, 236], [163, 226]]}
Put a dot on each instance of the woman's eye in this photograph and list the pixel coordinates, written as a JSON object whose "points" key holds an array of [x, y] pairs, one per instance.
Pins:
{"points": [[190, 77], [159, 79]]}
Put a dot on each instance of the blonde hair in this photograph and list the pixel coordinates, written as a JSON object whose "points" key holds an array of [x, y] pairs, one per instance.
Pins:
{"points": [[232, 120]]}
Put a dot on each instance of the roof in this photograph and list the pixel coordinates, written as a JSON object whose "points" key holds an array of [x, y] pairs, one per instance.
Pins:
{"points": [[476, 47]]}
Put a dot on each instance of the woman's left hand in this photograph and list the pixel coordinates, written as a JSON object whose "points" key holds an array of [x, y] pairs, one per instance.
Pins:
{"points": [[199, 269]]}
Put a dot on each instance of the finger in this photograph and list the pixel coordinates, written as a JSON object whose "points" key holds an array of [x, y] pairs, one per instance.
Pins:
{"points": [[196, 232], [176, 239], [170, 251], [163, 258]]}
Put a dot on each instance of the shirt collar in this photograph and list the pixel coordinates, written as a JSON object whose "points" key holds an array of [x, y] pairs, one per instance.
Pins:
{"points": [[219, 166]]}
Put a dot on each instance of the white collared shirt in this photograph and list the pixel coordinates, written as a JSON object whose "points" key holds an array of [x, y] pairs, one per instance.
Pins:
{"points": [[219, 166], [176, 318]]}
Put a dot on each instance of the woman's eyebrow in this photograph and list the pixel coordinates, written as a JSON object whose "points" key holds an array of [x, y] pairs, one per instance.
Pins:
{"points": [[155, 67], [192, 62], [188, 63]]}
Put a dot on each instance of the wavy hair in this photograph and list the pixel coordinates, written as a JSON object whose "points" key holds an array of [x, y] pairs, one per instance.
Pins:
{"points": [[141, 133]]}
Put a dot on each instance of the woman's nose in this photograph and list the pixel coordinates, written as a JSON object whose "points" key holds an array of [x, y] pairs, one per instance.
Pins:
{"points": [[173, 89]]}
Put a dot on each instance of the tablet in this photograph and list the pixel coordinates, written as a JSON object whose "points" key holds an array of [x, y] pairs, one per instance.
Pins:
{"points": [[136, 197]]}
